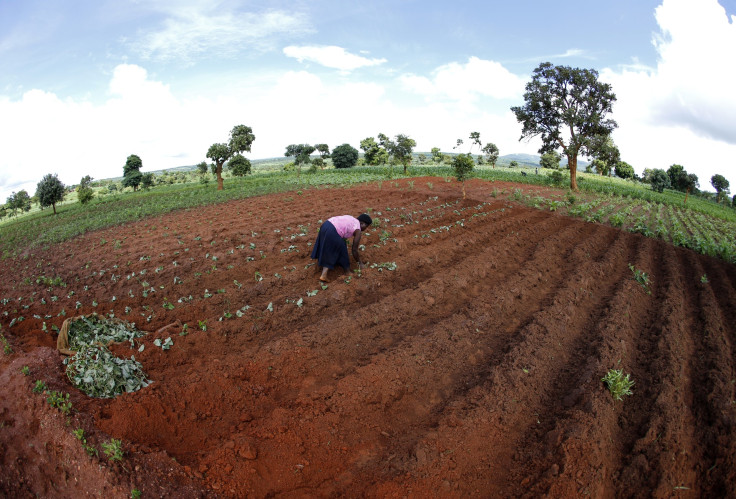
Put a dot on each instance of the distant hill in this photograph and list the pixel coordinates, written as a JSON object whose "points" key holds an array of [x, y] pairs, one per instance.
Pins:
{"points": [[532, 160]]}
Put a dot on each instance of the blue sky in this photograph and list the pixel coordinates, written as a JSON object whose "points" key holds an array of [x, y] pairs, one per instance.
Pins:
{"points": [[84, 84]]}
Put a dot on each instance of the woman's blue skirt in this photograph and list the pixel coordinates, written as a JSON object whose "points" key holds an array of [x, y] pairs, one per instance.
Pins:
{"points": [[330, 249]]}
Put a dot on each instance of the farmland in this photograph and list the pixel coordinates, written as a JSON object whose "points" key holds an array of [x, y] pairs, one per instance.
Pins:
{"points": [[466, 360]]}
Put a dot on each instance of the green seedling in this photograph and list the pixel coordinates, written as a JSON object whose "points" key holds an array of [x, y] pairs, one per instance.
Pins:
{"points": [[25, 370], [202, 325], [165, 345], [618, 384], [60, 401], [704, 279], [642, 278], [39, 387], [113, 449]]}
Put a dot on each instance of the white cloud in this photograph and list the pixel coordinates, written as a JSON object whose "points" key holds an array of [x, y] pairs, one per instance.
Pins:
{"points": [[466, 82], [192, 32], [681, 111], [145, 117], [331, 56]]}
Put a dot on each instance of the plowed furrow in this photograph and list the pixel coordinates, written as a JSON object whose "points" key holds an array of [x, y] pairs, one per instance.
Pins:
{"points": [[713, 391], [516, 366]]}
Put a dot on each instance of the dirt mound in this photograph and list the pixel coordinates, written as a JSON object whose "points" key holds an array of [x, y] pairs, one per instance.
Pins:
{"points": [[467, 361]]}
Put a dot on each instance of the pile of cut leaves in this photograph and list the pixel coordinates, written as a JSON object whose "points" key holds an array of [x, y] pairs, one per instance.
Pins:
{"points": [[94, 369]]}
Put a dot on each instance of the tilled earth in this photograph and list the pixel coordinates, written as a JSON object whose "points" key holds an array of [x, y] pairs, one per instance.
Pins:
{"points": [[467, 361]]}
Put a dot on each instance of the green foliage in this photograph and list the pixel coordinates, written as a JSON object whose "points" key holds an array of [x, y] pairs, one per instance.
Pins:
{"points": [[135, 494], [401, 149], [344, 156], [113, 449], [550, 160], [59, 401], [618, 384], [559, 99], [462, 165], [25, 370], [50, 191], [642, 278], [85, 194], [624, 170], [239, 165], [720, 184], [79, 434], [202, 168], [147, 180], [241, 139], [659, 180], [374, 154], [300, 153], [86, 330], [132, 175], [98, 373], [18, 201], [39, 387]]}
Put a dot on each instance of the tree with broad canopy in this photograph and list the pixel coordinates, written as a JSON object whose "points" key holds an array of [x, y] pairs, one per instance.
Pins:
{"points": [[344, 156], [241, 139], [720, 184], [50, 190], [566, 107], [132, 176]]}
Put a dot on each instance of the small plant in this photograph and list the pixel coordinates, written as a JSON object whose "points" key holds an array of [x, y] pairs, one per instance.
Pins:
{"points": [[6, 346], [89, 449], [39, 387], [113, 449], [165, 345], [618, 384], [642, 278], [202, 325], [704, 279], [25, 370], [135, 494], [60, 401]]}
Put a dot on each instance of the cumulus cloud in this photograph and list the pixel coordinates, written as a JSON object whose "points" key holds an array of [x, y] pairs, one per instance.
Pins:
{"points": [[695, 73], [686, 99], [466, 82], [331, 56], [76, 138], [189, 33]]}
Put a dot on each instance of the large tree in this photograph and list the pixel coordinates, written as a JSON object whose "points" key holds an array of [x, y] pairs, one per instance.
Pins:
{"points": [[19, 201], [132, 175], [566, 107], [720, 184], [344, 156], [50, 191], [491, 152], [624, 170], [301, 154], [241, 139], [400, 149], [374, 154], [659, 180]]}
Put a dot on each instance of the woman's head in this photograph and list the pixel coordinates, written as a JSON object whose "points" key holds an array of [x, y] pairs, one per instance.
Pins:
{"points": [[365, 220]]}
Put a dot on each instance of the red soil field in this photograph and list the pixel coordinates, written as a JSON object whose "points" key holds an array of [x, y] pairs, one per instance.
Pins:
{"points": [[472, 369]]}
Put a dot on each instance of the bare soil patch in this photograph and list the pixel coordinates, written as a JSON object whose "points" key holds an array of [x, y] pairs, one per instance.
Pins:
{"points": [[472, 369]]}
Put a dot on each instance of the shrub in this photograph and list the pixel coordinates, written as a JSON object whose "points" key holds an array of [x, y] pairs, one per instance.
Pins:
{"points": [[344, 156], [659, 180]]}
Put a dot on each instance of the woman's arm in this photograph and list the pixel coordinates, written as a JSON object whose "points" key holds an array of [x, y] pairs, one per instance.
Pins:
{"points": [[356, 244]]}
